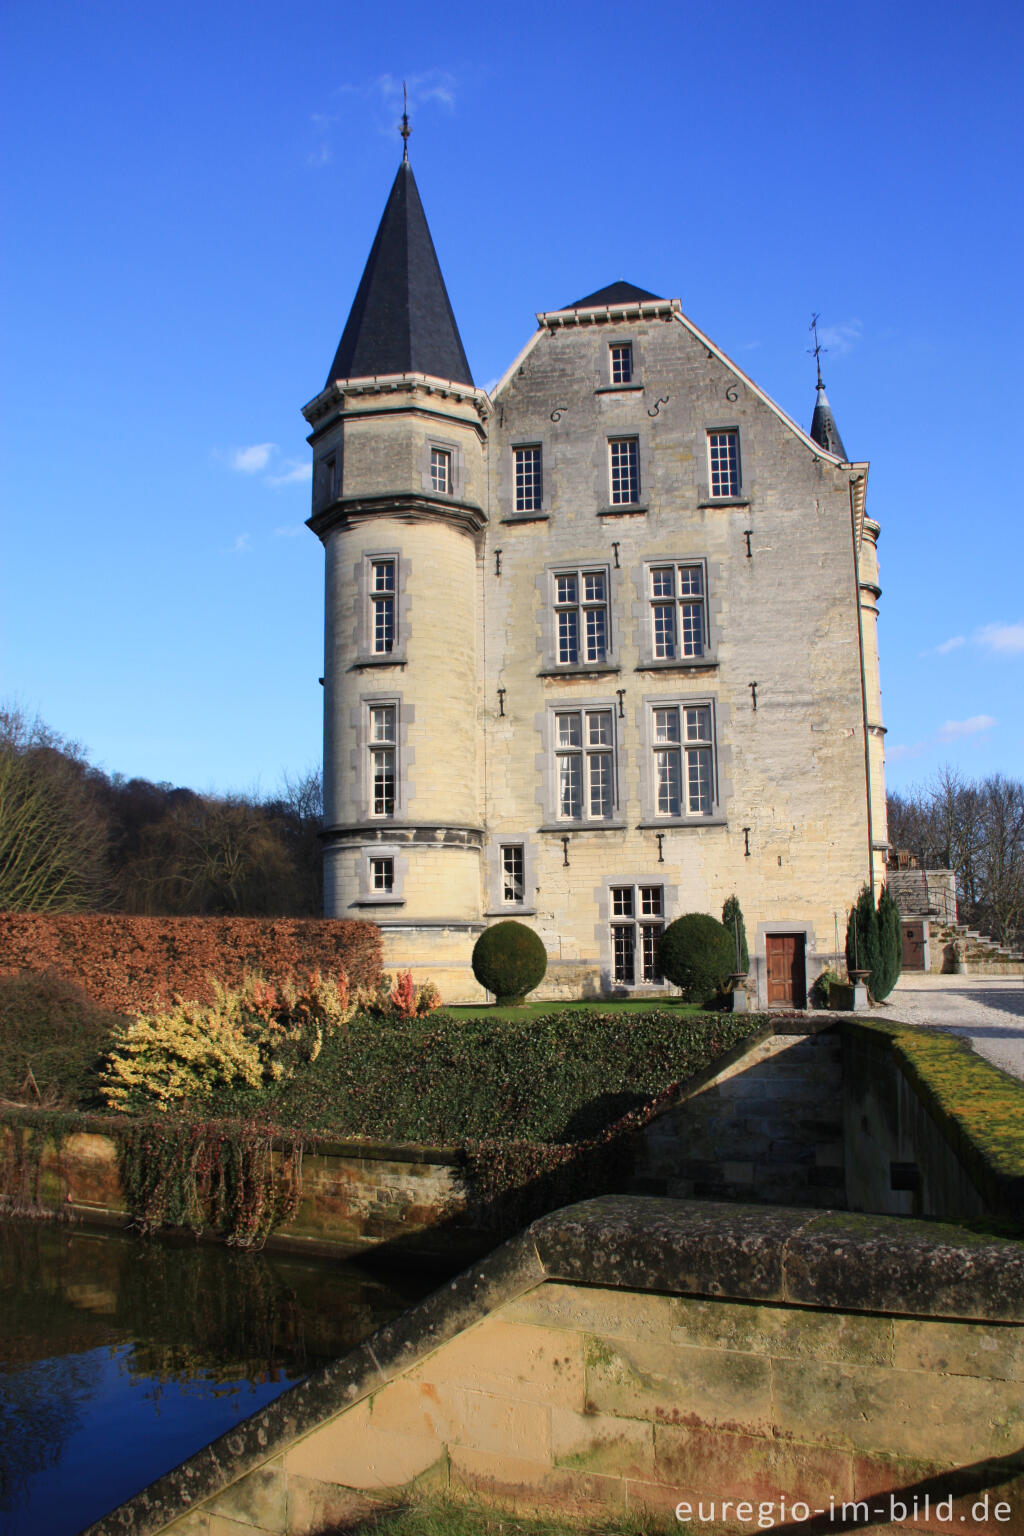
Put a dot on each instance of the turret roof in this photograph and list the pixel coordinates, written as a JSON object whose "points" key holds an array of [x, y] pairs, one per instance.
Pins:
{"points": [[616, 293], [401, 319], [823, 426]]}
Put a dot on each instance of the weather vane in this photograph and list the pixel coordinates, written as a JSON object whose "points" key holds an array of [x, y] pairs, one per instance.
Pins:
{"points": [[405, 130], [817, 349]]}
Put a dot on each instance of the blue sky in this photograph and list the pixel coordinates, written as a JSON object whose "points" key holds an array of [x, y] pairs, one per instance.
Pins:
{"points": [[191, 193]]}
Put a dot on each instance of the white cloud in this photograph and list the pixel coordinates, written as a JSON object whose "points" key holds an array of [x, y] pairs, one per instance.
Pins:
{"points": [[1008, 639], [952, 644], [432, 87], [289, 531], [242, 544], [955, 730], [841, 338], [292, 472], [249, 461]]}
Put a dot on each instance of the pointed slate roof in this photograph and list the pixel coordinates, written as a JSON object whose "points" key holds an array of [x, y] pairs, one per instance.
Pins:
{"points": [[823, 426], [616, 293], [401, 319]]}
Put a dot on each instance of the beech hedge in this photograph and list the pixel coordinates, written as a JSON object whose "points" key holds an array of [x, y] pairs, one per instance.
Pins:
{"points": [[137, 964]]}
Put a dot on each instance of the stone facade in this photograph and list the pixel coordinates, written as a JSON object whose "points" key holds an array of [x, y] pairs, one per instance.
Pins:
{"points": [[613, 627]]}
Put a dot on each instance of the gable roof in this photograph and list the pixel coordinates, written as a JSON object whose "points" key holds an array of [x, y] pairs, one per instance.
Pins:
{"points": [[401, 319], [616, 293]]}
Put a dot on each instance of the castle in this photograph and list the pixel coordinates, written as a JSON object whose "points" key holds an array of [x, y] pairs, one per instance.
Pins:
{"points": [[600, 646]]}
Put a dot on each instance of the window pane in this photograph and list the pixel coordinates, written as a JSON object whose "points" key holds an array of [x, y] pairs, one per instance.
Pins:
{"points": [[528, 479], [649, 936], [666, 769], [383, 874], [666, 724], [440, 470], [568, 635], [383, 575], [622, 900], [593, 587], [698, 787], [692, 629], [383, 761], [663, 582], [664, 630], [625, 470], [565, 589], [512, 872], [600, 779], [651, 900], [382, 722], [698, 725], [622, 364], [691, 581], [599, 728], [725, 463], [623, 952], [383, 624], [597, 634], [569, 730], [570, 787]]}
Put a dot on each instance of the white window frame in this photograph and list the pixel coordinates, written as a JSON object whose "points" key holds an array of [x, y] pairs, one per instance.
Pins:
{"points": [[528, 477], [620, 362], [382, 749], [512, 870], [441, 470], [678, 610], [725, 469], [579, 615], [382, 874], [636, 913], [383, 601], [684, 779], [585, 764], [624, 471]]}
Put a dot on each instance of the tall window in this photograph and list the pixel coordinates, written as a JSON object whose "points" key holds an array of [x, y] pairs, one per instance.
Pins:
{"points": [[585, 764], [529, 486], [383, 755], [638, 917], [724, 450], [683, 760], [625, 469], [581, 616], [677, 611], [382, 604], [622, 363], [512, 887], [441, 471]]}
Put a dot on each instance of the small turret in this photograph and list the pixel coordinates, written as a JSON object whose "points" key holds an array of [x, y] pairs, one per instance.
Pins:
{"points": [[823, 424]]}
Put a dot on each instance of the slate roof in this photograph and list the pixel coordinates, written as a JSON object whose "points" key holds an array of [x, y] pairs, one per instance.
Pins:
{"points": [[823, 426], [615, 293], [401, 319]]}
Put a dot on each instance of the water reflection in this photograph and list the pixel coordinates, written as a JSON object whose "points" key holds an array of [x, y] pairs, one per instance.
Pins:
{"points": [[118, 1357]]}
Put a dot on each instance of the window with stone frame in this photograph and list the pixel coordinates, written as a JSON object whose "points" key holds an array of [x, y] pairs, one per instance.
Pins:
{"points": [[441, 471], [382, 747], [382, 875], [528, 477], [678, 610], [724, 462], [637, 922], [383, 625], [624, 465], [683, 747], [581, 616], [584, 751], [621, 362]]}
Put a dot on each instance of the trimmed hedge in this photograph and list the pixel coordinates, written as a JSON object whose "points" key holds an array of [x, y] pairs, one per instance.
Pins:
{"points": [[509, 959], [137, 964], [698, 954]]}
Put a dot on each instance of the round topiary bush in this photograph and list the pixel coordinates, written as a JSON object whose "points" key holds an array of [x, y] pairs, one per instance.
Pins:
{"points": [[698, 954], [509, 960]]}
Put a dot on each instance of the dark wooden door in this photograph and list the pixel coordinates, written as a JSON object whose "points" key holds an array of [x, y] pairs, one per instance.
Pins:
{"points": [[913, 946], [787, 976]]}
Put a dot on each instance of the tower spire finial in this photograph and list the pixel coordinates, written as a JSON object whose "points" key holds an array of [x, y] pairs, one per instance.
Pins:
{"points": [[405, 130], [817, 349]]}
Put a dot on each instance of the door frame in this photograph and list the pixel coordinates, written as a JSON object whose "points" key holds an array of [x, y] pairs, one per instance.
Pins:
{"points": [[798, 930]]}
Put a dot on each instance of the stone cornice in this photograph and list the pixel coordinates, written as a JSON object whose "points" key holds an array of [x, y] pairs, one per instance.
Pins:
{"points": [[331, 401], [610, 314], [408, 507]]}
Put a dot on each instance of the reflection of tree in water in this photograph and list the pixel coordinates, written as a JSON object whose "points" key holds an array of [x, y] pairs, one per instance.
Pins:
{"points": [[40, 1406]]}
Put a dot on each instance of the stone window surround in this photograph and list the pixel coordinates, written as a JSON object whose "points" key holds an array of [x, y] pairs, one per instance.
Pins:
{"points": [[603, 926], [458, 467], [547, 639], [546, 765], [722, 786], [536, 446], [641, 578], [362, 635], [368, 897], [360, 757], [494, 876], [629, 336]]}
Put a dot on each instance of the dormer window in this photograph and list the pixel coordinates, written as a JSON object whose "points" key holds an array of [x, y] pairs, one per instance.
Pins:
{"points": [[621, 357], [441, 471]]}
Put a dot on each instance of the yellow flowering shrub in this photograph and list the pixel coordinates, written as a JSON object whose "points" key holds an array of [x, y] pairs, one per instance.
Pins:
{"points": [[251, 1035]]}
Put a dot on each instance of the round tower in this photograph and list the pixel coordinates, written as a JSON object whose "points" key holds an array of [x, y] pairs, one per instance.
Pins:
{"points": [[399, 438]]}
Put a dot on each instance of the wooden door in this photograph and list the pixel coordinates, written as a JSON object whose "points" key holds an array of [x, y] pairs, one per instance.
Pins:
{"points": [[787, 977], [913, 946]]}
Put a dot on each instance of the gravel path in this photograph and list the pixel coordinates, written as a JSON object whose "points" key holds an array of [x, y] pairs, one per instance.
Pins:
{"points": [[986, 1010]]}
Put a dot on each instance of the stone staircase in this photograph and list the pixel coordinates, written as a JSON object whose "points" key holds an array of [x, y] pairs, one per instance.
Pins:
{"points": [[982, 955]]}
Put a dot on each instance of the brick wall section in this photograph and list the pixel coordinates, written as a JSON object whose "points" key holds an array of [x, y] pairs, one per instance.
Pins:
{"points": [[137, 963]]}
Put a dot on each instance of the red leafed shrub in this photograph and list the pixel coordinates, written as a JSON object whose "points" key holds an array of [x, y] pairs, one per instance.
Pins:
{"points": [[132, 964]]}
